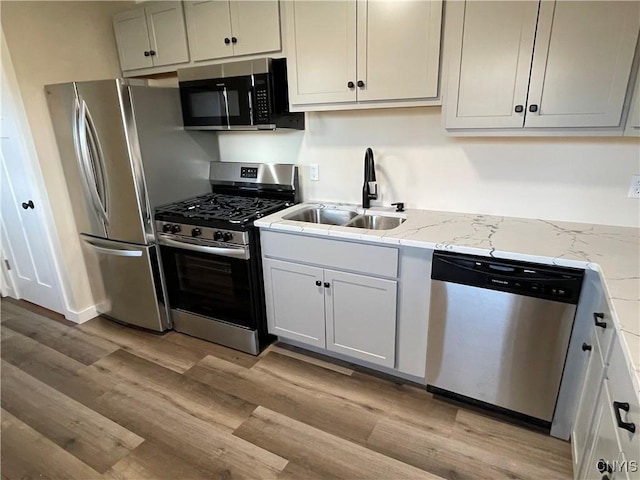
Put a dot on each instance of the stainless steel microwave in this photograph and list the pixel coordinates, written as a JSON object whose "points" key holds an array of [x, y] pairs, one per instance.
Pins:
{"points": [[245, 95]]}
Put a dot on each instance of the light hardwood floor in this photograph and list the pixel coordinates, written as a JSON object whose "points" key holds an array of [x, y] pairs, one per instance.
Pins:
{"points": [[101, 400]]}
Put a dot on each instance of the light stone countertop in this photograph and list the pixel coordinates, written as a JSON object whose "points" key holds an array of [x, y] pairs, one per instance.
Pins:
{"points": [[612, 251]]}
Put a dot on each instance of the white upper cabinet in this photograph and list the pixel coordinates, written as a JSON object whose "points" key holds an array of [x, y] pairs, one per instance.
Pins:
{"points": [[151, 36], [321, 51], [546, 64], [345, 53], [633, 121], [226, 28], [489, 67]]}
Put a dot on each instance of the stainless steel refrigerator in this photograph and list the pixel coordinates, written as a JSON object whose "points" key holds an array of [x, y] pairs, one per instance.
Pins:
{"points": [[123, 152]]}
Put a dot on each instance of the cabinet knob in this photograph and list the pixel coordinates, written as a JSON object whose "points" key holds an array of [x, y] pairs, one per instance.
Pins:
{"points": [[152, 52], [146, 54], [360, 83], [327, 284], [533, 108], [599, 315], [628, 426], [351, 85], [318, 283], [519, 108], [586, 347], [227, 41], [28, 204], [234, 40]]}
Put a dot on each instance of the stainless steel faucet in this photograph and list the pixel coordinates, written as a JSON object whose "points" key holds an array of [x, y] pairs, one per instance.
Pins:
{"points": [[370, 187]]}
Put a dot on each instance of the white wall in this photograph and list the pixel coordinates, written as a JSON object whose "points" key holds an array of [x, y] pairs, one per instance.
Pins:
{"points": [[568, 179]]}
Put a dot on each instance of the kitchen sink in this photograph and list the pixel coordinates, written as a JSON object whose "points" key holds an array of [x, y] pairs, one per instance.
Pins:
{"points": [[375, 222], [345, 218], [326, 216]]}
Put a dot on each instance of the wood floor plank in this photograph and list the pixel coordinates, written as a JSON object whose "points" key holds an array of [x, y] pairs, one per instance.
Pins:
{"points": [[322, 410], [193, 397], [451, 458], [196, 441], [146, 345], [489, 433], [6, 333], [27, 454], [379, 396], [67, 340], [293, 471], [55, 369], [282, 350], [321, 452], [89, 436]]}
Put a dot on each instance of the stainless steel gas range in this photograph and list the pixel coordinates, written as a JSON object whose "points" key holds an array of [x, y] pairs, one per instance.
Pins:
{"points": [[210, 253]]}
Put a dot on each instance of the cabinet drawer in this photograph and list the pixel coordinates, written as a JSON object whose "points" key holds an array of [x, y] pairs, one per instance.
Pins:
{"points": [[621, 389], [358, 257], [605, 330]]}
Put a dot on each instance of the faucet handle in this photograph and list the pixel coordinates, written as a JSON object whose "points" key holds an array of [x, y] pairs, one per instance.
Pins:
{"points": [[373, 189], [399, 205]]}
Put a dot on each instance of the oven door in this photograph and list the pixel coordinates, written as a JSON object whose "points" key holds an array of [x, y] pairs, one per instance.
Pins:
{"points": [[209, 281], [217, 104]]}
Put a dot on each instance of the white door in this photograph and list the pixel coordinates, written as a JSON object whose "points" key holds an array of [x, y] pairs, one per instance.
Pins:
{"points": [[398, 49], [633, 121], [255, 26], [294, 296], [167, 33], [132, 39], [24, 235], [582, 61], [490, 57], [208, 24], [361, 316], [321, 49]]}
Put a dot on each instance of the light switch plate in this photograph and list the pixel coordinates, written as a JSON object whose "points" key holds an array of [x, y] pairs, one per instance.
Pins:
{"points": [[634, 188], [314, 172]]}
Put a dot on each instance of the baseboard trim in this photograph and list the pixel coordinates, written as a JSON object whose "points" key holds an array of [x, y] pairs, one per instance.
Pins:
{"points": [[81, 316]]}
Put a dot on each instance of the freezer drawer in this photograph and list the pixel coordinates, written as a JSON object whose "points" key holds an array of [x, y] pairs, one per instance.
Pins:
{"points": [[126, 283]]}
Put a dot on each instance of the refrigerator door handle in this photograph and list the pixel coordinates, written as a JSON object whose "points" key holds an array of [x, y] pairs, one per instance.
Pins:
{"points": [[117, 252], [82, 151], [102, 185]]}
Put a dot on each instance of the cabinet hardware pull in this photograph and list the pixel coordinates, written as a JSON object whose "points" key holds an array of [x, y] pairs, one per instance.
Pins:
{"points": [[586, 347], [227, 41], [533, 108], [360, 83], [327, 284], [28, 204], [318, 283], [596, 316], [146, 54], [519, 108], [629, 426], [234, 40], [350, 85]]}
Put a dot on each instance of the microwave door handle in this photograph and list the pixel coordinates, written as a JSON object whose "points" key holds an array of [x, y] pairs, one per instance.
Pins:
{"points": [[250, 93], [226, 106]]}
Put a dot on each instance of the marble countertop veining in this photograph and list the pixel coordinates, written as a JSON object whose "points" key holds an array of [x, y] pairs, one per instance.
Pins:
{"points": [[612, 251]]}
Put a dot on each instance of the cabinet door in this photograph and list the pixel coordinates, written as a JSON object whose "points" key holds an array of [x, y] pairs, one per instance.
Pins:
{"points": [[491, 45], [606, 448], [321, 49], [208, 24], [361, 316], [295, 301], [256, 26], [582, 61], [398, 49], [633, 121], [167, 33], [132, 39], [582, 435]]}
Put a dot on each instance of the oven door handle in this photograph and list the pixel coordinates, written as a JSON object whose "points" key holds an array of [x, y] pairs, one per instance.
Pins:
{"points": [[241, 253]]}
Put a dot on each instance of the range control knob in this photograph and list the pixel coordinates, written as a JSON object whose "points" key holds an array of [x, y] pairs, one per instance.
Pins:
{"points": [[196, 232], [228, 236], [217, 236], [167, 228], [175, 229]]}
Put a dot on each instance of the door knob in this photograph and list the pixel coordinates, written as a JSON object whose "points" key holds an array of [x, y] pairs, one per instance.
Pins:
{"points": [[27, 205]]}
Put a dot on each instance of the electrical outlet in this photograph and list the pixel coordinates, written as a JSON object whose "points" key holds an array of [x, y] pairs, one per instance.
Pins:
{"points": [[634, 188], [314, 172]]}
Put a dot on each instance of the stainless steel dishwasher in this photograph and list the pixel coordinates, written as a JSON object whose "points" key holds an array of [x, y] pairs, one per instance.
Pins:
{"points": [[499, 332]]}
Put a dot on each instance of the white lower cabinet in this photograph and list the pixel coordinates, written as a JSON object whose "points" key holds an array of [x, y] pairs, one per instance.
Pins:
{"points": [[343, 312]]}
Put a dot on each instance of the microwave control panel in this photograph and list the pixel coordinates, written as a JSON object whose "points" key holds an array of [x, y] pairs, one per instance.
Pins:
{"points": [[262, 104]]}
